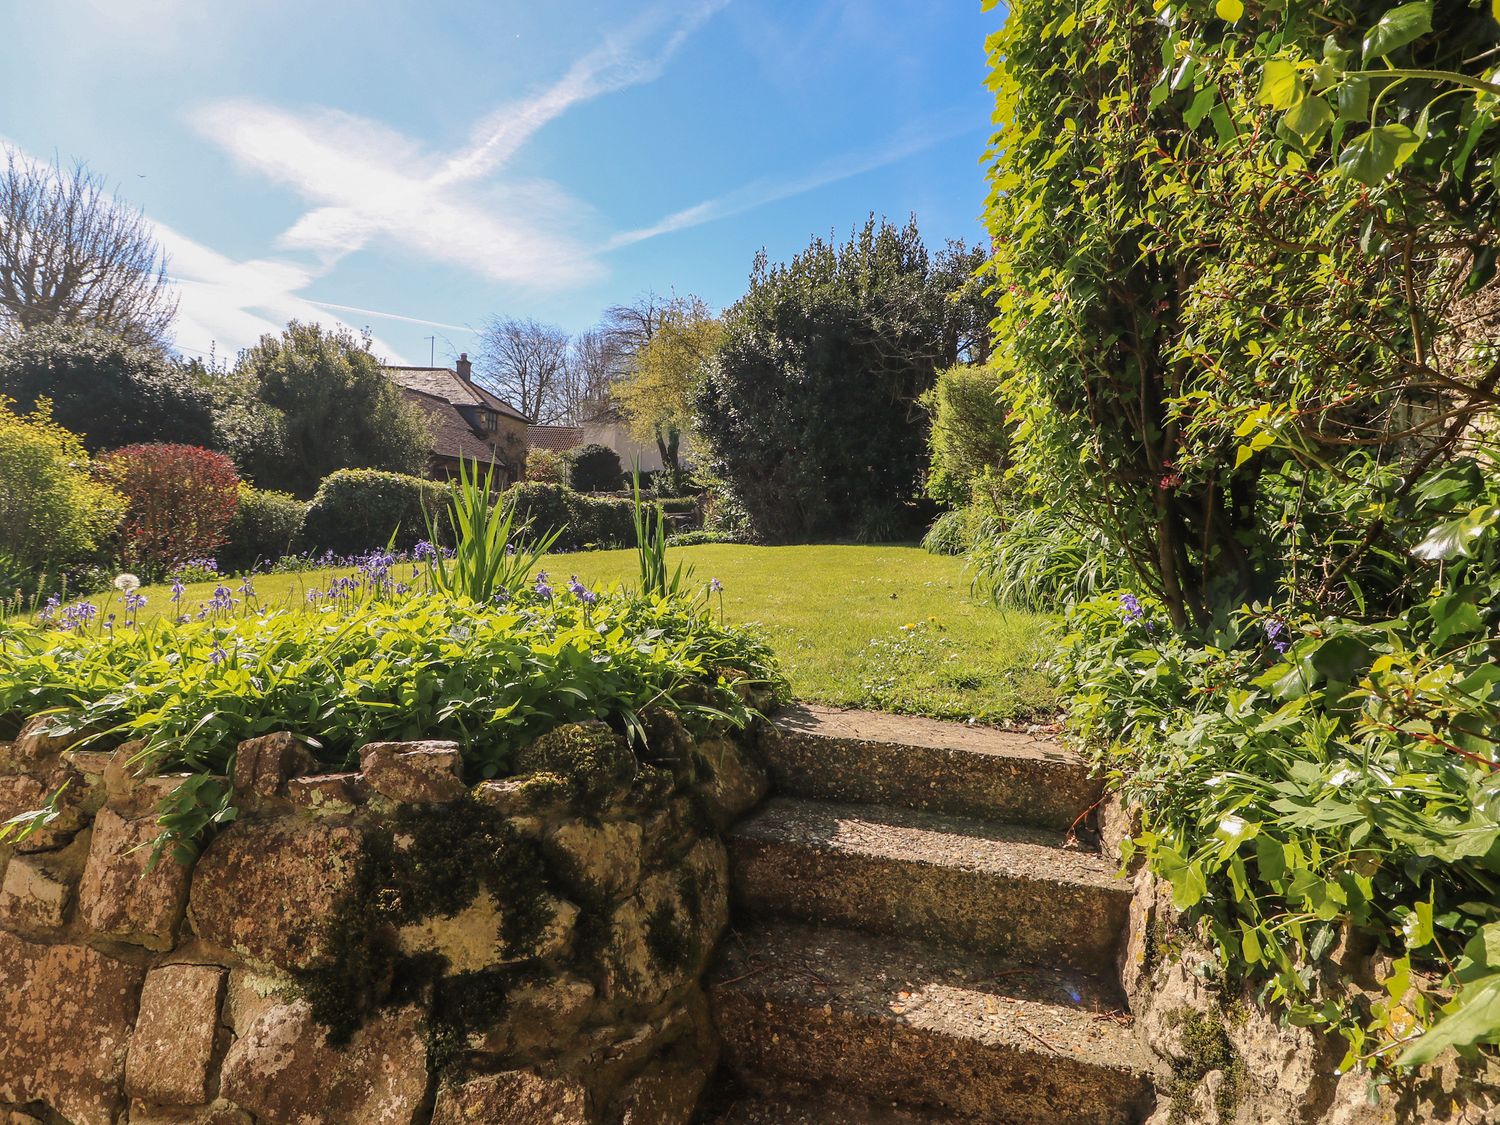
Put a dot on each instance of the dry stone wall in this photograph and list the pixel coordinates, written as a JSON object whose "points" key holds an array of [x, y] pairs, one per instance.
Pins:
{"points": [[388, 946], [1226, 1060]]}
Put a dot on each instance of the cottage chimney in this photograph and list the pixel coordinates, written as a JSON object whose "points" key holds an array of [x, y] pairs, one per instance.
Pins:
{"points": [[465, 368]]}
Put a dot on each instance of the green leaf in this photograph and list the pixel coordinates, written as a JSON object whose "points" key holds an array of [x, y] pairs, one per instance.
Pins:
{"points": [[1280, 87], [1354, 99], [1397, 28], [1474, 1018], [1454, 538], [1230, 11], [1375, 154], [1310, 118]]}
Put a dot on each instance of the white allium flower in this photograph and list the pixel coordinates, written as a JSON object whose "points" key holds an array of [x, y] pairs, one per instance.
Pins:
{"points": [[126, 583]]}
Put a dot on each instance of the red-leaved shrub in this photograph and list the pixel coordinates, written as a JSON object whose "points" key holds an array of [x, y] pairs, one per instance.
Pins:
{"points": [[181, 499]]}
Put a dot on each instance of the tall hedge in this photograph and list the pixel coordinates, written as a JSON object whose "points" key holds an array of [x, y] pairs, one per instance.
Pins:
{"points": [[811, 405], [266, 526]]}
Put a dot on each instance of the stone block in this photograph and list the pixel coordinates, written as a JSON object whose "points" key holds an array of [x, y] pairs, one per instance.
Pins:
{"points": [[172, 1051], [38, 745], [264, 765], [36, 893], [118, 897], [267, 888], [471, 939], [68, 1013], [328, 794], [734, 784], [414, 772], [219, 1112], [661, 938], [77, 801], [540, 1018], [516, 1097], [283, 1070], [667, 1092], [603, 860]]}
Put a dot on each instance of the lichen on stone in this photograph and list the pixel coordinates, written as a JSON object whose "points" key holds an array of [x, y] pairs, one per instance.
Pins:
{"points": [[593, 760]]}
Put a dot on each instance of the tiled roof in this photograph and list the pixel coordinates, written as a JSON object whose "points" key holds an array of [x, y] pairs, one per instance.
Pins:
{"points": [[440, 382], [452, 435], [559, 439]]}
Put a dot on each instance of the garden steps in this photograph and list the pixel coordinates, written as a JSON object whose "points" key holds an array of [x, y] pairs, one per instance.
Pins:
{"points": [[965, 1037], [919, 939], [872, 758], [987, 886]]}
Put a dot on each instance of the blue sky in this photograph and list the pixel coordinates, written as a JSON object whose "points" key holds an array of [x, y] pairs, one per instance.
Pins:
{"points": [[449, 160]]}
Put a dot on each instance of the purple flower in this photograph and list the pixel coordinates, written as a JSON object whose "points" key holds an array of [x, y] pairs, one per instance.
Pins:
{"points": [[177, 589], [134, 602], [1275, 631], [1132, 607], [247, 587], [424, 550], [580, 591], [543, 590], [715, 586], [218, 655]]}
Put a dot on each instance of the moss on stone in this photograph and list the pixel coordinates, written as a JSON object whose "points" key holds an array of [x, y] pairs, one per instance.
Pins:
{"points": [[429, 862], [590, 757], [1205, 1049]]}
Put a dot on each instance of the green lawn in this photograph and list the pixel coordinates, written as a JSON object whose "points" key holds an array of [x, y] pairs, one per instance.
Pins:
{"points": [[884, 627]]}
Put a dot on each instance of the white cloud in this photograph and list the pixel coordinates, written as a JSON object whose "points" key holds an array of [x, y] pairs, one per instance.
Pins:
{"points": [[368, 182], [761, 192]]}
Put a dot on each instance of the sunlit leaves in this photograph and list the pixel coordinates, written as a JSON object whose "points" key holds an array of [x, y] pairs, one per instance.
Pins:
{"points": [[1376, 153], [1397, 28]]}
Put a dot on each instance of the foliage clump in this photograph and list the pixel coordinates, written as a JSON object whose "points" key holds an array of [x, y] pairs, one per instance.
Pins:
{"points": [[51, 507], [180, 500], [594, 468], [357, 509]]}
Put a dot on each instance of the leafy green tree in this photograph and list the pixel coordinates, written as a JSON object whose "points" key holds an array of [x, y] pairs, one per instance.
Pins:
{"points": [[811, 405], [663, 376], [106, 391], [334, 409], [52, 510], [1225, 341]]}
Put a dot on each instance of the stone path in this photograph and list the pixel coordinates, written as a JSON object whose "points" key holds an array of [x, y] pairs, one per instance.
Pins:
{"points": [[915, 941]]}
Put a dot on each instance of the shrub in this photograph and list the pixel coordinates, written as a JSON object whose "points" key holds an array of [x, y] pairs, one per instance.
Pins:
{"points": [[546, 466], [180, 500], [51, 510], [104, 390], [266, 525], [594, 468], [582, 521], [359, 510], [699, 538], [968, 437], [1306, 780]]}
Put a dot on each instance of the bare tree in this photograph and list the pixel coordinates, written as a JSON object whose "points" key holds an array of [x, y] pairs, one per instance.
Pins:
{"points": [[71, 253], [594, 364], [630, 327], [526, 363]]}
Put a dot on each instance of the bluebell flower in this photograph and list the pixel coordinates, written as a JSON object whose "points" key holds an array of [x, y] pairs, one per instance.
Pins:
{"points": [[580, 591], [177, 591], [715, 586], [543, 590], [424, 550], [218, 655], [1132, 607]]}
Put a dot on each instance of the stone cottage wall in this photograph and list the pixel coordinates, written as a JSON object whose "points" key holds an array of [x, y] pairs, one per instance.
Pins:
{"points": [[387, 946], [1226, 1060]]}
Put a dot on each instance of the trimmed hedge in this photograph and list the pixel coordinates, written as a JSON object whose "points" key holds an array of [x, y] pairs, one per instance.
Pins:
{"points": [[585, 521], [265, 527], [357, 510]]}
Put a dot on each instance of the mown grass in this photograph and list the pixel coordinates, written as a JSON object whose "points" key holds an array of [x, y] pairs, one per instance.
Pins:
{"points": [[886, 627]]}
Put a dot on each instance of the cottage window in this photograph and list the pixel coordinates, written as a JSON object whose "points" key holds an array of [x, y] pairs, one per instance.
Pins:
{"points": [[491, 420]]}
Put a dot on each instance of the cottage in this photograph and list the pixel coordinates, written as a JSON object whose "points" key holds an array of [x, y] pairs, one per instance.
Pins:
{"points": [[467, 421]]}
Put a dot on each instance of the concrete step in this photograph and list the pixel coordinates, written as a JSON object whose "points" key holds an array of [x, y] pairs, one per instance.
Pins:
{"points": [[985, 887], [881, 759], [803, 1011]]}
